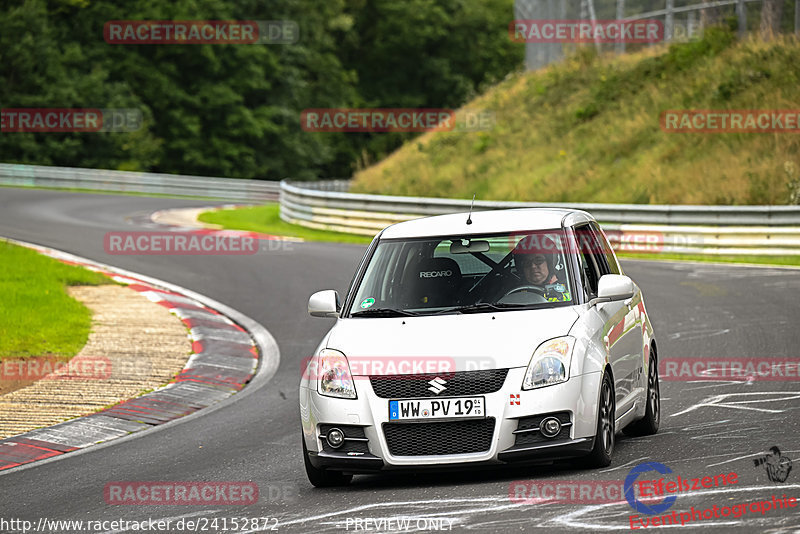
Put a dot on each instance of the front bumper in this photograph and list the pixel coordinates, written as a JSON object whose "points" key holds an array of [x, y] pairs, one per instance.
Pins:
{"points": [[368, 413]]}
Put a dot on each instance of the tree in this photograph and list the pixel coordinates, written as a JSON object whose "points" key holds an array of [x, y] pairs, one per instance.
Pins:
{"points": [[234, 110]]}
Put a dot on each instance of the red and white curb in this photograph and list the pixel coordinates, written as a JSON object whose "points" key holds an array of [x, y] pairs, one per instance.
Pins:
{"points": [[226, 346]]}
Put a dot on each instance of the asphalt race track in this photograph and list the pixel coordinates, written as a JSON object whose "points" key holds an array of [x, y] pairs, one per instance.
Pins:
{"points": [[707, 428]]}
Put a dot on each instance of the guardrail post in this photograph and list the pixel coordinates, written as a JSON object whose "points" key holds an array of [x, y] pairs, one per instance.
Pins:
{"points": [[797, 17], [621, 16], [593, 17], [669, 22], [741, 14]]}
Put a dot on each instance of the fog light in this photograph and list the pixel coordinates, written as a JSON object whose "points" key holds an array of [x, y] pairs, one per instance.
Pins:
{"points": [[550, 427], [335, 438]]}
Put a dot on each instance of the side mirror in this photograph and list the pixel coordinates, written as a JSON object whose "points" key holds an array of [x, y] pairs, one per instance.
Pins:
{"points": [[324, 304], [612, 287]]}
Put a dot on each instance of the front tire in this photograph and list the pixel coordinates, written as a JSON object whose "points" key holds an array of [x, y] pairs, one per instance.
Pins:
{"points": [[652, 417], [606, 429], [322, 478]]}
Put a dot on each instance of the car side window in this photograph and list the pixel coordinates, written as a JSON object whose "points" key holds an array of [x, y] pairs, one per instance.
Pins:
{"points": [[593, 261], [608, 252]]}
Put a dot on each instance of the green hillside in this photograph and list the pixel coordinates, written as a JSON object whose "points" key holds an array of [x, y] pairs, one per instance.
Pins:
{"points": [[588, 130]]}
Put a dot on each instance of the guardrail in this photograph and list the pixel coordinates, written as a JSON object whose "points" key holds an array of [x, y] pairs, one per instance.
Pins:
{"points": [[708, 230], [326, 205], [138, 182]]}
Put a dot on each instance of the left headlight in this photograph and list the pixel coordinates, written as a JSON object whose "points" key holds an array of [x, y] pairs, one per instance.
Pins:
{"points": [[550, 363], [335, 379]]}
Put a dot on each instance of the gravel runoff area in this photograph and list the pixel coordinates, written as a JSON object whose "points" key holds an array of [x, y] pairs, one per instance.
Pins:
{"points": [[135, 345]]}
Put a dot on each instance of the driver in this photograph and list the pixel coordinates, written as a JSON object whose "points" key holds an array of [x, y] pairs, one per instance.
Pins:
{"points": [[536, 268]]}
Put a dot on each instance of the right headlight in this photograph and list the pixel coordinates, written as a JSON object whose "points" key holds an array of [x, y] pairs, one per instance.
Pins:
{"points": [[335, 379], [550, 363]]}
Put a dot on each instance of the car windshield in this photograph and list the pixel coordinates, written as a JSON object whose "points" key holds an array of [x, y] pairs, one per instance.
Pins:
{"points": [[473, 274]]}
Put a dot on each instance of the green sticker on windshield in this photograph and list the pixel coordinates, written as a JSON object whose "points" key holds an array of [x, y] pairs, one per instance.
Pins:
{"points": [[368, 302]]}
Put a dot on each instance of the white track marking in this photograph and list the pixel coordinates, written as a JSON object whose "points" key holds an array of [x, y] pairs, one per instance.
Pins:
{"points": [[718, 383], [726, 434], [741, 458], [698, 426], [698, 334], [623, 466], [716, 401]]}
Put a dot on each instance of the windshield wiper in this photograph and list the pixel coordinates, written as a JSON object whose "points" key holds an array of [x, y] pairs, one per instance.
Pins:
{"points": [[384, 312], [484, 307]]}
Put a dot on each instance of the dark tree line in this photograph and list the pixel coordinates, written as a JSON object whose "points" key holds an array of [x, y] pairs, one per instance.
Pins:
{"points": [[233, 110]]}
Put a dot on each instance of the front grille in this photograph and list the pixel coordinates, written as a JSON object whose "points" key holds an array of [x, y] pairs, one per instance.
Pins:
{"points": [[429, 439], [458, 384], [348, 445], [533, 438]]}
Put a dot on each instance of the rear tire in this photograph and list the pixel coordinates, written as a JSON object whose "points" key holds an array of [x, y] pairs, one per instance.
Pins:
{"points": [[322, 478], [652, 417], [606, 430]]}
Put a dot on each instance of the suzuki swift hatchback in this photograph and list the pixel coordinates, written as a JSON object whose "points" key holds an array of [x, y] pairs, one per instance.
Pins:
{"points": [[470, 340]]}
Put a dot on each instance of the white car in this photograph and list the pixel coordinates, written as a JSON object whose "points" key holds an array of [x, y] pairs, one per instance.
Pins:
{"points": [[477, 339]]}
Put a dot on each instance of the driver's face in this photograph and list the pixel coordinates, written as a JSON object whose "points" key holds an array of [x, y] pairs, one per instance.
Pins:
{"points": [[534, 269]]}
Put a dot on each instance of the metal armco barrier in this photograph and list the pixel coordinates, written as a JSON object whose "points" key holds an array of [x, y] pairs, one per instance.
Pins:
{"points": [[138, 182], [708, 230], [326, 205]]}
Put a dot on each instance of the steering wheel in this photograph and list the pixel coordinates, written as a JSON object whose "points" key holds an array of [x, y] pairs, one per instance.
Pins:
{"points": [[535, 289]]}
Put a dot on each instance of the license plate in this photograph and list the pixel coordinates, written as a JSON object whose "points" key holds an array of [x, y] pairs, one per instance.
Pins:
{"points": [[436, 408]]}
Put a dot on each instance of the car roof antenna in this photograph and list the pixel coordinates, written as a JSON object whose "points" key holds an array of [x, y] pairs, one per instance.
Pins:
{"points": [[469, 217]]}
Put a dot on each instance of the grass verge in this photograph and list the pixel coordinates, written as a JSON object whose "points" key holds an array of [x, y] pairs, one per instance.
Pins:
{"points": [[37, 316], [791, 261], [266, 220], [588, 130]]}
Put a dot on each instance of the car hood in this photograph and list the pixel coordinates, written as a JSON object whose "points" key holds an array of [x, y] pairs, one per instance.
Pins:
{"points": [[469, 341]]}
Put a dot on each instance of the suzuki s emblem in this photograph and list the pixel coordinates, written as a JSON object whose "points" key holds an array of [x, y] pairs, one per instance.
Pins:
{"points": [[437, 385]]}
